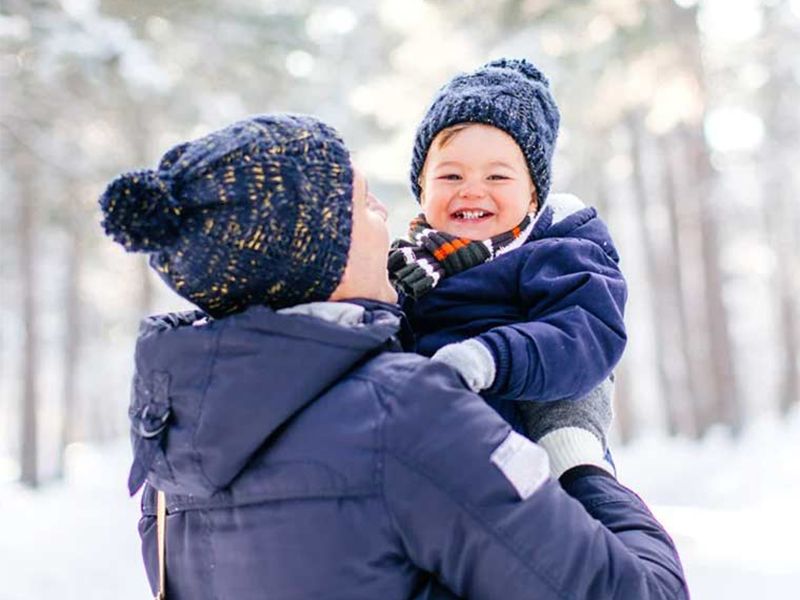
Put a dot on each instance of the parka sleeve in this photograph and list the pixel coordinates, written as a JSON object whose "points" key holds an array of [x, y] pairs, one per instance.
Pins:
{"points": [[574, 296], [471, 503]]}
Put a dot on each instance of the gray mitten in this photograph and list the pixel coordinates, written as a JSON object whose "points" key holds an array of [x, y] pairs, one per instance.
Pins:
{"points": [[573, 432], [472, 360]]}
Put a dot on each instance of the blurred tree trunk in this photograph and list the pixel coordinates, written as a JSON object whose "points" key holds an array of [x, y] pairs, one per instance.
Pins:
{"points": [[780, 99], [692, 401], [623, 402], [25, 184], [146, 291], [779, 224], [790, 387], [73, 333], [140, 142], [725, 403], [662, 294]]}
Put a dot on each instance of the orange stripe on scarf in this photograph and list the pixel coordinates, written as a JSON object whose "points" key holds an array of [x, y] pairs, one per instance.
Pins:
{"points": [[449, 248]]}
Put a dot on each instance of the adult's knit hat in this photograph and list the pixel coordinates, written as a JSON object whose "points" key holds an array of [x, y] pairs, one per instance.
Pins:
{"points": [[259, 212], [510, 94]]}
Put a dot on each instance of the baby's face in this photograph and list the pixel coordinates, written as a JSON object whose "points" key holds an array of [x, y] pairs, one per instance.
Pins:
{"points": [[477, 184]]}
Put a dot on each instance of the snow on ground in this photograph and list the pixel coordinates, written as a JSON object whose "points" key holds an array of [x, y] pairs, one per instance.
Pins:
{"points": [[75, 539], [732, 508]]}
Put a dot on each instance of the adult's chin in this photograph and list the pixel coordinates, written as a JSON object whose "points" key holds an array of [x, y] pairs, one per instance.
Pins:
{"points": [[390, 294]]}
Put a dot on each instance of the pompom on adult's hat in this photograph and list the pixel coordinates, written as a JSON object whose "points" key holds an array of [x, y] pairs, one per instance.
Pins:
{"points": [[259, 212], [510, 94]]}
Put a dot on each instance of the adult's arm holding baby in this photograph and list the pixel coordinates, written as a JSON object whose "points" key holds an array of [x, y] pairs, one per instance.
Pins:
{"points": [[472, 503]]}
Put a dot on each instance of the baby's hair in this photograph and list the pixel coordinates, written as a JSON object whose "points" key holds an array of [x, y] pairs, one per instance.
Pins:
{"points": [[448, 133], [441, 140]]}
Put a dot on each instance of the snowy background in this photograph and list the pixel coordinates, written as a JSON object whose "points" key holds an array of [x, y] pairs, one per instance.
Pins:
{"points": [[680, 122], [732, 509]]}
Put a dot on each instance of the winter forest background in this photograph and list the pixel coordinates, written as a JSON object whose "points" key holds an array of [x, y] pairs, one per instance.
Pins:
{"points": [[680, 122]]}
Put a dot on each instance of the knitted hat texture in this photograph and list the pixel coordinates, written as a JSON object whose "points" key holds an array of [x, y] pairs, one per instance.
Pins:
{"points": [[510, 94], [259, 212]]}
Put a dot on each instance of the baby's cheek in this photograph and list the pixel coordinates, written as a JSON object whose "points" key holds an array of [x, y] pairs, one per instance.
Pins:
{"points": [[434, 218]]}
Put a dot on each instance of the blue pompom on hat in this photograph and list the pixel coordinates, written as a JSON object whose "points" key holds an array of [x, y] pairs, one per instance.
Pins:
{"points": [[259, 212], [510, 94]]}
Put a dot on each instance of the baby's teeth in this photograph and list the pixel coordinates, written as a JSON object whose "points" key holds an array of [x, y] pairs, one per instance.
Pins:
{"points": [[470, 214]]}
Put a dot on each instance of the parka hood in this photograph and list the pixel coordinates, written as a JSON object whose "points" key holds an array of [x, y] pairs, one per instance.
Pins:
{"points": [[565, 215], [208, 394]]}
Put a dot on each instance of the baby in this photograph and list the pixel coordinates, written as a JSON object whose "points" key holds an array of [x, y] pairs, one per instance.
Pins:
{"points": [[517, 290]]}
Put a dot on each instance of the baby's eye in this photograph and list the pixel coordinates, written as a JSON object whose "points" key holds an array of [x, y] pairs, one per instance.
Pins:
{"points": [[450, 177], [498, 177]]}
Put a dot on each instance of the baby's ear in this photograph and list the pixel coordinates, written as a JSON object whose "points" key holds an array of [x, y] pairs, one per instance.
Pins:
{"points": [[534, 205]]}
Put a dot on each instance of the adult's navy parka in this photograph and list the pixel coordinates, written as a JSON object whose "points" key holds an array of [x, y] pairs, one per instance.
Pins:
{"points": [[308, 459]]}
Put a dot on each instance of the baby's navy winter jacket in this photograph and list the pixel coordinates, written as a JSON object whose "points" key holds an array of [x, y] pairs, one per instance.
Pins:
{"points": [[550, 312]]}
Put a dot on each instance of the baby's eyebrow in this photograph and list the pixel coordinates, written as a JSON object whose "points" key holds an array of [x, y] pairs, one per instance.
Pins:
{"points": [[448, 163], [455, 163], [500, 163]]}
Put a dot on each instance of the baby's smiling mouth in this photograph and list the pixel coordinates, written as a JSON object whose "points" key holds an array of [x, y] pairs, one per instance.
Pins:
{"points": [[471, 216]]}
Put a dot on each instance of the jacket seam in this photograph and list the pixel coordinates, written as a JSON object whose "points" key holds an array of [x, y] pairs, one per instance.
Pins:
{"points": [[381, 469], [331, 343], [210, 573], [561, 239], [175, 506], [650, 574], [381, 385], [378, 388], [673, 551], [212, 361], [502, 358], [468, 509]]}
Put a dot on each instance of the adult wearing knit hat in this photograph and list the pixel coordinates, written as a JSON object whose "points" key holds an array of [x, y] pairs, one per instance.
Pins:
{"points": [[510, 94], [296, 451], [259, 212]]}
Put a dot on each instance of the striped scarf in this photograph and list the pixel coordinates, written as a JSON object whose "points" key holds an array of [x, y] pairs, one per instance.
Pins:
{"points": [[417, 266]]}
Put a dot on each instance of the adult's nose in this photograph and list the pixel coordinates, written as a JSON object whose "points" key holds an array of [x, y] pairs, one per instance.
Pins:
{"points": [[377, 205]]}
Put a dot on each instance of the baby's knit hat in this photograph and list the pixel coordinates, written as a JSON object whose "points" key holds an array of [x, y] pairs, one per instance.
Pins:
{"points": [[510, 94], [259, 212]]}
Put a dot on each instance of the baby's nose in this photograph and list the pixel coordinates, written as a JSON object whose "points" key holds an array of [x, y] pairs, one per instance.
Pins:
{"points": [[472, 189]]}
